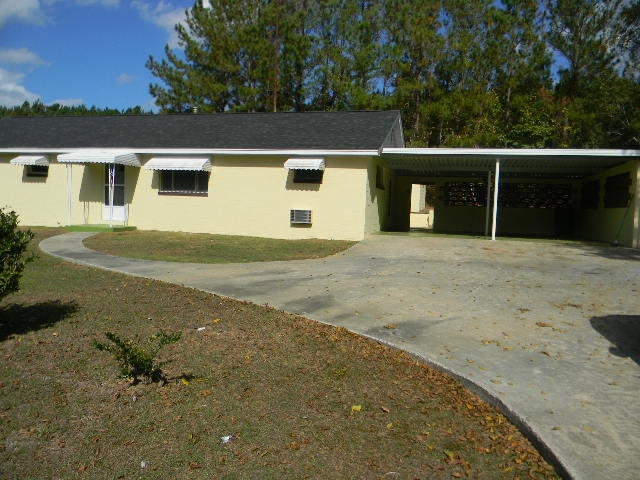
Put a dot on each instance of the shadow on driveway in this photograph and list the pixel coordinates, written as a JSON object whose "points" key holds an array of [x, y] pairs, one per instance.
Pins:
{"points": [[17, 319], [608, 251], [623, 331]]}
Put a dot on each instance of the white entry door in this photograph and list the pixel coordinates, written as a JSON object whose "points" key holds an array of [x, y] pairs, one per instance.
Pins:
{"points": [[116, 209]]}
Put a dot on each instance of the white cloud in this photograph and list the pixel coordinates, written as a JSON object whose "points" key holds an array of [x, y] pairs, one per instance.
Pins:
{"points": [[33, 11], [12, 93], [29, 11], [125, 78], [20, 60], [20, 56], [164, 15]]}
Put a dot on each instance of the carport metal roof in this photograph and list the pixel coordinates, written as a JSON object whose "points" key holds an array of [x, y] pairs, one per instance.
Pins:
{"points": [[573, 163], [491, 162]]}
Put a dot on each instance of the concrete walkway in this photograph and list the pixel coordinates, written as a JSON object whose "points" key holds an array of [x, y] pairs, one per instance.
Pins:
{"points": [[547, 330]]}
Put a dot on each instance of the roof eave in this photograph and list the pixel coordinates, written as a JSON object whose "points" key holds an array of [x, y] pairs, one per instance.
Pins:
{"points": [[505, 153], [206, 151]]}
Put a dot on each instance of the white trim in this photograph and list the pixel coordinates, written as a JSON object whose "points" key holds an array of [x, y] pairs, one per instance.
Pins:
{"points": [[514, 152], [204, 151], [473, 152], [30, 160], [178, 163], [121, 157], [304, 164]]}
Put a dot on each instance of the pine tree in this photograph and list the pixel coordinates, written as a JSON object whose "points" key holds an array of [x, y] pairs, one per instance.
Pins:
{"points": [[235, 58], [411, 53]]}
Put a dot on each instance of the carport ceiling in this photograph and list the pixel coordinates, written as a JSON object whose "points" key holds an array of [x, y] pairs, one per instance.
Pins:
{"points": [[438, 162]]}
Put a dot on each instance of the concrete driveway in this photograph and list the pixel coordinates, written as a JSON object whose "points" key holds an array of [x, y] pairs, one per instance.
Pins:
{"points": [[549, 331]]}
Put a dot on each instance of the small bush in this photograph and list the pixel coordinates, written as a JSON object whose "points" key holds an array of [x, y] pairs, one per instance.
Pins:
{"points": [[13, 245], [138, 361]]}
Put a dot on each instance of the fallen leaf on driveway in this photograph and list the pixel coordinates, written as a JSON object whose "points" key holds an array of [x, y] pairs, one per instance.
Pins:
{"points": [[544, 324]]}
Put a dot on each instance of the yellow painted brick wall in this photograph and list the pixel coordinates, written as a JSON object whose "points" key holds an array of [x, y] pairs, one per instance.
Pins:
{"points": [[253, 196]]}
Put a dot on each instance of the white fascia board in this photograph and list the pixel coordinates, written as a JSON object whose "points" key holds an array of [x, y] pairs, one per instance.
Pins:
{"points": [[34, 151], [201, 151], [244, 152], [514, 152]]}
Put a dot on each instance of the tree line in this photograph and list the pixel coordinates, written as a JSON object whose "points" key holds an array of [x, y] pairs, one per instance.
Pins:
{"points": [[37, 108], [485, 73]]}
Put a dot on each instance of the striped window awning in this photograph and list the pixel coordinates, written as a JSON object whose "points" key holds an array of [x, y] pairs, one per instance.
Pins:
{"points": [[30, 160], [304, 164], [179, 163], [101, 156]]}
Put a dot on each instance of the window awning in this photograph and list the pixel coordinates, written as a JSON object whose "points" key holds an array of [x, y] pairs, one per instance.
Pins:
{"points": [[101, 156], [304, 164], [179, 163], [30, 160]]}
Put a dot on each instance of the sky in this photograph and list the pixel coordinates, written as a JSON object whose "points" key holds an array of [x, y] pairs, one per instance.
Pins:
{"points": [[90, 52]]}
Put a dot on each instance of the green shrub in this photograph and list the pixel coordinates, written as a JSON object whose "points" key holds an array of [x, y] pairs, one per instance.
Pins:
{"points": [[138, 361], [13, 245]]}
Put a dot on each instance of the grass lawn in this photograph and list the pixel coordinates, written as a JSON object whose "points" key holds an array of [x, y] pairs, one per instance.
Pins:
{"points": [[205, 248], [300, 399]]}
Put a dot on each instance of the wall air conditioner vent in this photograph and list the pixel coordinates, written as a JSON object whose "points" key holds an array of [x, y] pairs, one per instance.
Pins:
{"points": [[300, 216]]}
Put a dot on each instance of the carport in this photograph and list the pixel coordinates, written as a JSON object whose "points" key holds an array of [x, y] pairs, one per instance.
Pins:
{"points": [[590, 194]]}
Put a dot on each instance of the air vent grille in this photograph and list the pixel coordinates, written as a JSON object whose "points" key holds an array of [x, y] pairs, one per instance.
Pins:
{"points": [[300, 216]]}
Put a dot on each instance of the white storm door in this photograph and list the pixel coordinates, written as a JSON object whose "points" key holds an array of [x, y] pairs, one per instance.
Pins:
{"points": [[114, 208]]}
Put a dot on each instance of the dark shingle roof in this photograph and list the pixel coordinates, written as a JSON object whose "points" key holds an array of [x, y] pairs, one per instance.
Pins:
{"points": [[307, 130]]}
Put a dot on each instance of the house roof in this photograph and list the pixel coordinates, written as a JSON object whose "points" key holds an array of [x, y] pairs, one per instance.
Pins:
{"points": [[365, 130]]}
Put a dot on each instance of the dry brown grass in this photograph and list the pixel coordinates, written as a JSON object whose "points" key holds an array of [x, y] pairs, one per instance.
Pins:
{"points": [[283, 386]]}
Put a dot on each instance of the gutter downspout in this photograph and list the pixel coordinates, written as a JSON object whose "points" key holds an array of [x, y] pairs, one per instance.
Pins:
{"points": [[496, 188]]}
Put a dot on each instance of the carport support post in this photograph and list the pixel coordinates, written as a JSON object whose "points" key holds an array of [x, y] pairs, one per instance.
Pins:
{"points": [[496, 187]]}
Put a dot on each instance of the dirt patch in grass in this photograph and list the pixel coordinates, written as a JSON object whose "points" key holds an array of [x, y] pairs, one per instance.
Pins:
{"points": [[205, 248], [296, 399]]}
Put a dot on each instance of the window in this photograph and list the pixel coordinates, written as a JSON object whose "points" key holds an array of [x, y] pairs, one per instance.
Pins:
{"points": [[37, 170], [180, 182], [307, 176]]}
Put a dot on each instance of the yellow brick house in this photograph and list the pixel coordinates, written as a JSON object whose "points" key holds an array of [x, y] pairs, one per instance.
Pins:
{"points": [[333, 175]]}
